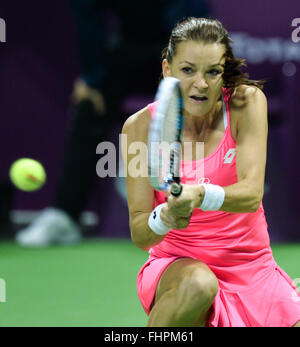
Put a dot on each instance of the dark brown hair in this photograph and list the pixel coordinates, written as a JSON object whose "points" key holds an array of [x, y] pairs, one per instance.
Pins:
{"points": [[210, 31]]}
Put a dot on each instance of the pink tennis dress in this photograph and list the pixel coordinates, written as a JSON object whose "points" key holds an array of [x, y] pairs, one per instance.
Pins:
{"points": [[253, 290]]}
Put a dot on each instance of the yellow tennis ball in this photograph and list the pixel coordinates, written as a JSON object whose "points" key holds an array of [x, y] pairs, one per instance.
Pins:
{"points": [[27, 174]]}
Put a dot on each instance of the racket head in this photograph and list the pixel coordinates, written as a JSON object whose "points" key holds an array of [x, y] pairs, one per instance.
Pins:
{"points": [[164, 138]]}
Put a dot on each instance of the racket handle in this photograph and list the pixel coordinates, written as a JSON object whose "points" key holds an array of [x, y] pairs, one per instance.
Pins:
{"points": [[176, 189]]}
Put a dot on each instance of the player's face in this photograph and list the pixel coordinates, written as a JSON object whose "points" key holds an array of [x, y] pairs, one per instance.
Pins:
{"points": [[200, 67]]}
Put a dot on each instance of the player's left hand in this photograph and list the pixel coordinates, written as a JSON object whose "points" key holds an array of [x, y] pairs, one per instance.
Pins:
{"points": [[183, 205]]}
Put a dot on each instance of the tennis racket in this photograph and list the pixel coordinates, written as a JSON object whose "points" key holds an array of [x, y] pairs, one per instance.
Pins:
{"points": [[164, 138]]}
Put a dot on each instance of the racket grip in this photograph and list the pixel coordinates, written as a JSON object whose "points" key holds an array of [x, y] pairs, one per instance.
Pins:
{"points": [[176, 189]]}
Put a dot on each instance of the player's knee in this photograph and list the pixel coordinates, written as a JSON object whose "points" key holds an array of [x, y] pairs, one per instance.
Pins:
{"points": [[198, 289]]}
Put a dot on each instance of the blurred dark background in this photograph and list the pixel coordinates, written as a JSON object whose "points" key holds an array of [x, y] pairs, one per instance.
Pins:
{"points": [[39, 62]]}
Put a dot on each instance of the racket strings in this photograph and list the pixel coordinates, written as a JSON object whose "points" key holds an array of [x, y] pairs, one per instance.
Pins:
{"points": [[165, 136], [171, 150]]}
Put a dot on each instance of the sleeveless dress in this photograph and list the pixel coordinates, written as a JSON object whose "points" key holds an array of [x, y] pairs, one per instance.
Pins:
{"points": [[253, 289]]}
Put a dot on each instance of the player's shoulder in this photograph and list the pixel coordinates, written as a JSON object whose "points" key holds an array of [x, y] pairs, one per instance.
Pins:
{"points": [[137, 125], [247, 103], [244, 95]]}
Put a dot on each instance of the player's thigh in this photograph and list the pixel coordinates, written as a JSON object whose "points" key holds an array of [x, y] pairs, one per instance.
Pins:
{"points": [[186, 270]]}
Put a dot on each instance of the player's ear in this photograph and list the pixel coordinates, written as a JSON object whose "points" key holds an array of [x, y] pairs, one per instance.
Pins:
{"points": [[166, 68]]}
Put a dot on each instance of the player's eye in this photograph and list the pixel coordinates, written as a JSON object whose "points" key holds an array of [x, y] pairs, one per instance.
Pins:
{"points": [[187, 70], [214, 72]]}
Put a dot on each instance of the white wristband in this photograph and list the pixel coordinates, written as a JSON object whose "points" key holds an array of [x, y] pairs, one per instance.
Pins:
{"points": [[155, 223], [213, 198]]}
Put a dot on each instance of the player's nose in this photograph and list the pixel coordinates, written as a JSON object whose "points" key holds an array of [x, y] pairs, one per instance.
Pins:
{"points": [[200, 82]]}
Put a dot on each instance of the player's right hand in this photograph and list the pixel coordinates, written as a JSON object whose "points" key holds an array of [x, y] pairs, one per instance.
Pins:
{"points": [[177, 212], [170, 219]]}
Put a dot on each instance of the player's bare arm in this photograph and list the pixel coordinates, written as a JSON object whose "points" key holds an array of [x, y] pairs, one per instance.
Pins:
{"points": [[249, 108], [140, 194]]}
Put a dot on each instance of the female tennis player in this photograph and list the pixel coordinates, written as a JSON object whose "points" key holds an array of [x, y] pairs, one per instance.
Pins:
{"points": [[210, 261]]}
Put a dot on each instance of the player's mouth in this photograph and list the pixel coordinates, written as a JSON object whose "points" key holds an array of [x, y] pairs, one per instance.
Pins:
{"points": [[198, 98]]}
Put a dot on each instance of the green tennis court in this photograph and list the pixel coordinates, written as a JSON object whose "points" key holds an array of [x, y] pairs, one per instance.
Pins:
{"points": [[89, 284]]}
